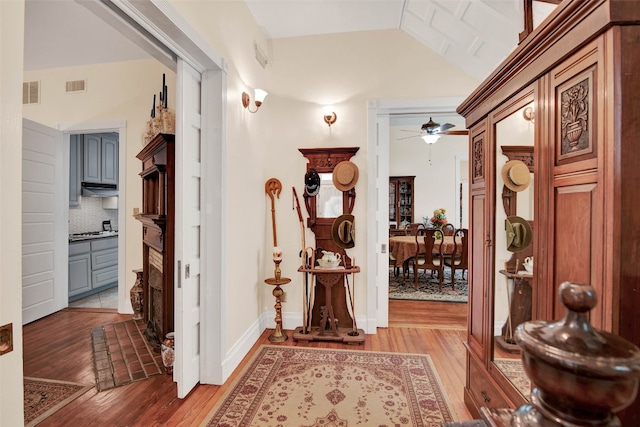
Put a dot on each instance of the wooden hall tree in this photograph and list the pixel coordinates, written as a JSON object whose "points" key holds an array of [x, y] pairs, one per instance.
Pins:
{"points": [[578, 70]]}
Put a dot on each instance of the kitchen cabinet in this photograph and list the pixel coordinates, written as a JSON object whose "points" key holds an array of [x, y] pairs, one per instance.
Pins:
{"points": [[578, 72], [75, 170], [400, 200], [100, 158], [79, 268], [93, 266]]}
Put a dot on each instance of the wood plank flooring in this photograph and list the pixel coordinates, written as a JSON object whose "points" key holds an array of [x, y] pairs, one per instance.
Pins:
{"points": [[59, 347]]}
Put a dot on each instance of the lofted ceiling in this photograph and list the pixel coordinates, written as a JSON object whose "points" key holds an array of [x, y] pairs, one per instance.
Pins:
{"points": [[475, 35]]}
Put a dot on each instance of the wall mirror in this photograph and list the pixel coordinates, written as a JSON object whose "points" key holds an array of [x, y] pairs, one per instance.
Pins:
{"points": [[512, 283], [329, 199], [330, 202]]}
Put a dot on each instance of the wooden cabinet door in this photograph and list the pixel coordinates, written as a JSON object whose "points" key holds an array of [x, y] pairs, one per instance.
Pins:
{"points": [[75, 170], [479, 230], [109, 159], [91, 167], [79, 274]]}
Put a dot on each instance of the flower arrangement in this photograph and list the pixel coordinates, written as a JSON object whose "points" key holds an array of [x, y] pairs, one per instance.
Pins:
{"points": [[439, 218]]}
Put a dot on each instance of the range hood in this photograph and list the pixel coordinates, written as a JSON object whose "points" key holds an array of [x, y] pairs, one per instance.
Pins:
{"points": [[92, 189]]}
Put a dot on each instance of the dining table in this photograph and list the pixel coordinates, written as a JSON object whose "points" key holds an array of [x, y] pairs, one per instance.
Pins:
{"points": [[402, 248]]}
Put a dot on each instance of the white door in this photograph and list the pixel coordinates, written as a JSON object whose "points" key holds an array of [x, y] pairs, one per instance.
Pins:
{"points": [[44, 222], [382, 219], [187, 250]]}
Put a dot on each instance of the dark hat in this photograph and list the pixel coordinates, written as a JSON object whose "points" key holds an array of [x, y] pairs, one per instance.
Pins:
{"points": [[312, 182], [343, 231], [516, 175], [345, 175], [519, 233]]}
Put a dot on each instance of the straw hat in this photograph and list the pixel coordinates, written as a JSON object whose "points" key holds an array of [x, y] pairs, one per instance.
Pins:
{"points": [[343, 231], [345, 175], [516, 176], [312, 182], [519, 233]]}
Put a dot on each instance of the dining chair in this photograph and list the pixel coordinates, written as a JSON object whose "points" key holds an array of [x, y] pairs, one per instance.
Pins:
{"points": [[459, 259], [426, 259], [448, 229]]}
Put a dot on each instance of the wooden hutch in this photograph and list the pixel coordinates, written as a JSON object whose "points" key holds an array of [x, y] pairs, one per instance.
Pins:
{"points": [[578, 70], [158, 232]]}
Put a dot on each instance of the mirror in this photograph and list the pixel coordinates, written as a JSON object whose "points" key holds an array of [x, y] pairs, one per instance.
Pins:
{"points": [[329, 199], [514, 141]]}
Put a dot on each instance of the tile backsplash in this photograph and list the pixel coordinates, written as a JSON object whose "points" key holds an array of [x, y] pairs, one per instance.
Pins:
{"points": [[89, 216]]}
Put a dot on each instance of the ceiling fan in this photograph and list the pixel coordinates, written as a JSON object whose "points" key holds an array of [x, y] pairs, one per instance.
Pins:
{"points": [[431, 131]]}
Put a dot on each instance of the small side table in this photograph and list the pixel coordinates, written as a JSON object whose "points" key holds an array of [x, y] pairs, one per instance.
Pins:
{"points": [[278, 335]]}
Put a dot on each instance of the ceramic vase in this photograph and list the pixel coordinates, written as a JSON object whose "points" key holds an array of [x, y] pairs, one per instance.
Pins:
{"points": [[167, 350]]}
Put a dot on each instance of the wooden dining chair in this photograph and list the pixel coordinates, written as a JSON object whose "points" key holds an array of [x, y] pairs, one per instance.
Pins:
{"points": [[459, 259], [448, 229], [426, 259]]}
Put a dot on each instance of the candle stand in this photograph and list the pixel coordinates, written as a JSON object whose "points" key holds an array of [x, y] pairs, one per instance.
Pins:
{"points": [[278, 334]]}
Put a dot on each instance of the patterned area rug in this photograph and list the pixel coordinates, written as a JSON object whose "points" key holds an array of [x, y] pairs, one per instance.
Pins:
{"points": [[298, 386], [44, 397], [428, 287], [122, 354], [513, 370]]}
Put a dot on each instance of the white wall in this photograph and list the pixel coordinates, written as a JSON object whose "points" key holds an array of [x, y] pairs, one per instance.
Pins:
{"points": [[305, 73], [434, 166], [11, 56], [115, 91]]}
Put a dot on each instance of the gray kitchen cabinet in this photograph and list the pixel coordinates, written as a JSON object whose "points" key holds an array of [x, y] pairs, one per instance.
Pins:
{"points": [[79, 268], [75, 170], [93, 265], [100, 158]]}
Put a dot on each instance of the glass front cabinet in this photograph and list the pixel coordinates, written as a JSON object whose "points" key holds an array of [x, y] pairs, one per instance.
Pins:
{"points": [[400, 200]]}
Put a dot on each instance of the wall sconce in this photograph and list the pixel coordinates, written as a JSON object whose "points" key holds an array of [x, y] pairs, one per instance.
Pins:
{"points": [[259, 95], [330, 116], [529, 114]]}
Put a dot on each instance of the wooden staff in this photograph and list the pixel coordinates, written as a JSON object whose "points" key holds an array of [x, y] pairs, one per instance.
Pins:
{"points": [[273, 187]]}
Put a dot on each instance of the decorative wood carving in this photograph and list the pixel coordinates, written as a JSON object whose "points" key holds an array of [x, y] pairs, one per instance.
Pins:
{"points": [[478, 157], [575, 105]]}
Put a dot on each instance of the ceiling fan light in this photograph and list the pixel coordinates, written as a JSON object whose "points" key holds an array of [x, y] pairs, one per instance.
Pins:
{"points": [[430, 138]]}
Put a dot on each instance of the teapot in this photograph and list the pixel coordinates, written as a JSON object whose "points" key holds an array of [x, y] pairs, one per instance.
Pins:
{"points": [[329, 259], [528, 264]]}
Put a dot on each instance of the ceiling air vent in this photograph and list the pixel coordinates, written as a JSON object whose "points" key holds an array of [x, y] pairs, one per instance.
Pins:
{"points": [[76, 86], [31, 92]]}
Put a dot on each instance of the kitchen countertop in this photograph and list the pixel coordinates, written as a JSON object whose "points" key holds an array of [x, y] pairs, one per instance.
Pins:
{"points": [[92, 235]]}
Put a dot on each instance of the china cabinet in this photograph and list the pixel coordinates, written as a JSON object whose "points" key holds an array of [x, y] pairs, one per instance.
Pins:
{"points": [[578, 72], [158, 233], [400, 200]]}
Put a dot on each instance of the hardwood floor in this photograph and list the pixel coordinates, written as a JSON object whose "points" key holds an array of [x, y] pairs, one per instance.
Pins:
{"points": [[59, 347]]}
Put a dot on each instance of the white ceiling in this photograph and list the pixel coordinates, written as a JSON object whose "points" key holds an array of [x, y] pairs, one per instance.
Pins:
{"points": [[475, 35]]}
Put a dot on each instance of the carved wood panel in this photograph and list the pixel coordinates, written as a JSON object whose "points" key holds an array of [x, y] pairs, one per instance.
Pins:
{"points": [[478, 157]]}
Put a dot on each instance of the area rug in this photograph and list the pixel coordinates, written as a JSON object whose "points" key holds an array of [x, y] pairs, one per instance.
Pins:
{"points": [[121, 354], [304, 387], [427, 289], [44, 397], [514, 371]]}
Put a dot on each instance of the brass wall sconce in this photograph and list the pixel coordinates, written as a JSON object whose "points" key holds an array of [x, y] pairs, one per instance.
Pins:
{"points": [[330, 116], [259, 95], [529, 114]]}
